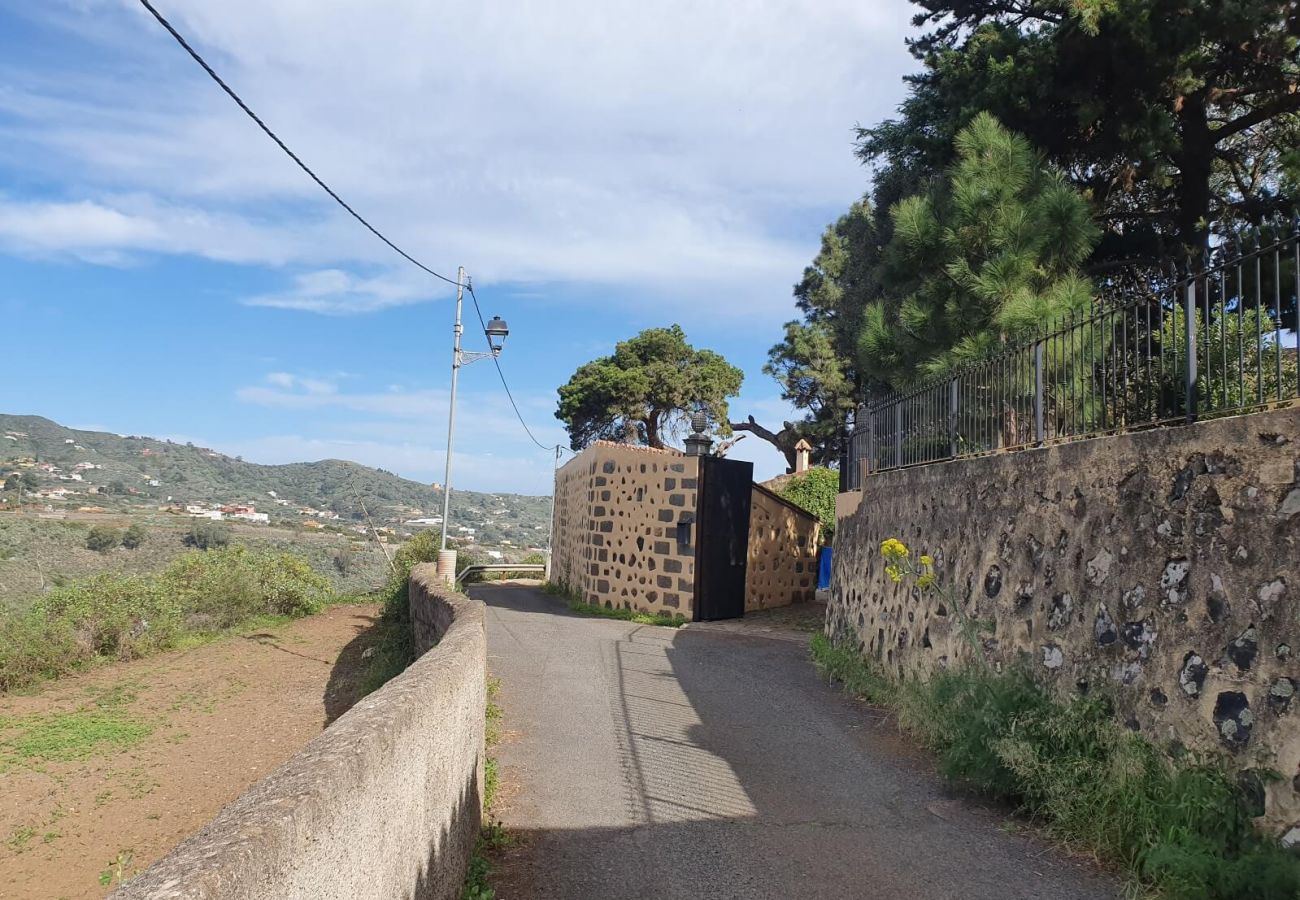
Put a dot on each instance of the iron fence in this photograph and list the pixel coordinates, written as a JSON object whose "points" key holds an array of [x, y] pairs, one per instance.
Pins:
{"points": [[1155, 349]]}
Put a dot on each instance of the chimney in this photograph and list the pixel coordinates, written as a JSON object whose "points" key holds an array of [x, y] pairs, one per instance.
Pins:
{"points": [[802, 455]]}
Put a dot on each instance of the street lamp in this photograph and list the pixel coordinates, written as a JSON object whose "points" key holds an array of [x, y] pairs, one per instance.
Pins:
{"points": [[496, 332]]}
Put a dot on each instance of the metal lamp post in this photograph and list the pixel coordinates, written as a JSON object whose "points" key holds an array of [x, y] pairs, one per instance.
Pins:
{"points": [[496, 332]]}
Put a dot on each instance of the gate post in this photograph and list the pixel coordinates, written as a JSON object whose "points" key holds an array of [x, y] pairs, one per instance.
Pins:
{"points": [[1189, 316], [898, 433], [1040, 434], [952, 417]]}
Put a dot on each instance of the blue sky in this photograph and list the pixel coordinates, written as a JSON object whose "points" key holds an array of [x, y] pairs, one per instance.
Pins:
{"points": [[597, 168]]}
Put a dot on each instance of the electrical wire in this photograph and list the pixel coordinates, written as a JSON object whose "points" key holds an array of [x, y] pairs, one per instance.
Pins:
{"points": [[479, 312], [283, 146], [194, 54]]}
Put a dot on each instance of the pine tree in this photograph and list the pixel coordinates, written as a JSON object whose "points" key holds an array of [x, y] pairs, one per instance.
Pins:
{"points": [[990, 252]]}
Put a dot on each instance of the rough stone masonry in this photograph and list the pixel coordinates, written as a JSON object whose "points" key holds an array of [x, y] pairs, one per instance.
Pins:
{"points": [[1163, 566]]}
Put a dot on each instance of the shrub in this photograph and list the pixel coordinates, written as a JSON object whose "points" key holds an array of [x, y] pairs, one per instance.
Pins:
{"points": [[207, 535], [1181, 826], [123, 617], [344, 560], [815, 492], [134, 537], [103, 538]]}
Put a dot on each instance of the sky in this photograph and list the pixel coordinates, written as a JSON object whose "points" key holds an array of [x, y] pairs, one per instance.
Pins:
{"points": [[597, 168]]}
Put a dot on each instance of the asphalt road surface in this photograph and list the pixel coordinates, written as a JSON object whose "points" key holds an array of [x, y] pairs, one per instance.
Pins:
{"points": [[706, 762]]}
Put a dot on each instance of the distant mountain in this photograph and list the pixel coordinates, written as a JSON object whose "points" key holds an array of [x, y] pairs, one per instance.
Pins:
{"points": [[145, 468]]}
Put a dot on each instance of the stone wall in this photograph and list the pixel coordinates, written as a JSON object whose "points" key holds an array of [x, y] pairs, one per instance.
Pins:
{"points": [[1162, 566], [617, 509], [383, 804], [782, 565]]}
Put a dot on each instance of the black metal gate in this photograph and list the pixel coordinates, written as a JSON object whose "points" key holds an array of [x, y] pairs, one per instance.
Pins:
{"points": [[722, 537]]}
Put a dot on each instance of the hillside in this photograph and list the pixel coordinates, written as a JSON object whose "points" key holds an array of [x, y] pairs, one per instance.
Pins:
{"points": [[136, 470]]}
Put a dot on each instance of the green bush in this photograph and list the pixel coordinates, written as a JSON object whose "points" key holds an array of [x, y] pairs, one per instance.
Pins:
{"points": [[134, 537], [103, 538], [124, 617], [207, 535], [815, 491], [1182, 827], [395, 647]]}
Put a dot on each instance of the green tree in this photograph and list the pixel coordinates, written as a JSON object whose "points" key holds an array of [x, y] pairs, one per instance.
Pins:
{"points": [[1168, 114], [646, 391], [103, 538], [815, 491], [814, 363], [13, 482], [207, 535], [134, 537], [29, 480], [990, 252]]}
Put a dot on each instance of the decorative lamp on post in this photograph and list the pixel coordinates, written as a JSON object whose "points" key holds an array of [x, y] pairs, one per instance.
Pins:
{"points": [[698, 443], [496, 331]]}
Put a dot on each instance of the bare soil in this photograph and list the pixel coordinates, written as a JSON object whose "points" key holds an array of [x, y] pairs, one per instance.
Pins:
{"points": [[139, 755]]}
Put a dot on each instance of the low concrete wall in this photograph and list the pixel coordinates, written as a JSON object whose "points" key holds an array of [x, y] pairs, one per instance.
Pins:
{"points": [[385, 803], [1161, 566]]}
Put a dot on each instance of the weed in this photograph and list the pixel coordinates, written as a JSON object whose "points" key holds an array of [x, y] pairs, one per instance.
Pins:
{"points": [[1180, 827], [59, 737], [628, 615], [117, 868], [198, 596], [576, 604], [493, 836], [20, 838]]}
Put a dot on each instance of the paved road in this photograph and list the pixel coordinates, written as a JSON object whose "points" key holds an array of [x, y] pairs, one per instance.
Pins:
{"points": [[701, 763]]}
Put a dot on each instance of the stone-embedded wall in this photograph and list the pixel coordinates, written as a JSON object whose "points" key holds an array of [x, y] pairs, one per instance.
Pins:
{"points": [[385, 804], [617, 509], [782, 567], [1162, 565]]}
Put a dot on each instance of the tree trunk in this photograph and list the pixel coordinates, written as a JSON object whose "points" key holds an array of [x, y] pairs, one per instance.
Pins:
{"points": [[783, 440], [1195, 164]]}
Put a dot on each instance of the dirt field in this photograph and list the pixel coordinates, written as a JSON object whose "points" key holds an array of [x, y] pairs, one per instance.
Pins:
{"points": [[103, 773]]}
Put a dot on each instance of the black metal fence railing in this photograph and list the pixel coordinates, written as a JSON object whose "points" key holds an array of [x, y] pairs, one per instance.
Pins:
{"points": [[1154, 350]]}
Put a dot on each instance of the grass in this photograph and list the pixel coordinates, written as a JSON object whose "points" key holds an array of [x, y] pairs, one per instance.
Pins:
{"points": [[199, 596], [603, 612], [493, 837], [61, 737], [1181, 828]]}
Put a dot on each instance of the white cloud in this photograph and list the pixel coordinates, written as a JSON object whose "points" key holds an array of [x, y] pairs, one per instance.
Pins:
{"points": [[335, 292], [680, 149], [311, 386]]}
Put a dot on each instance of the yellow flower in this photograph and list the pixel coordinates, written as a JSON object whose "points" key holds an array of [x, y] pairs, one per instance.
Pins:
{"points": [[895, 574], [925, 581], [927, 560], [893, 548]]}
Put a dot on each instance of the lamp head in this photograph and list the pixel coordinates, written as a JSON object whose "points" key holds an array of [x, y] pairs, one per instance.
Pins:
{"points": [[496, 333]]}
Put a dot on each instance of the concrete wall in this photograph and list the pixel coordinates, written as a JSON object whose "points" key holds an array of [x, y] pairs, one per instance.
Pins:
{"points": [[384, 804], [616, 514], [1163, 566], [782, 566]]}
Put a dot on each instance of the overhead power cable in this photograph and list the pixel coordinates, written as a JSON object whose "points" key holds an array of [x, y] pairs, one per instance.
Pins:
{"points": [[479, 312], [283, 146], [194, 54]]}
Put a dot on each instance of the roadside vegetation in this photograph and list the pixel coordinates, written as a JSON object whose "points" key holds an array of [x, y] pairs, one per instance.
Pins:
{"points": [[37, 555], [198, 596], [814, 491], [1179, 827], [493, 837], [601, 612]]}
